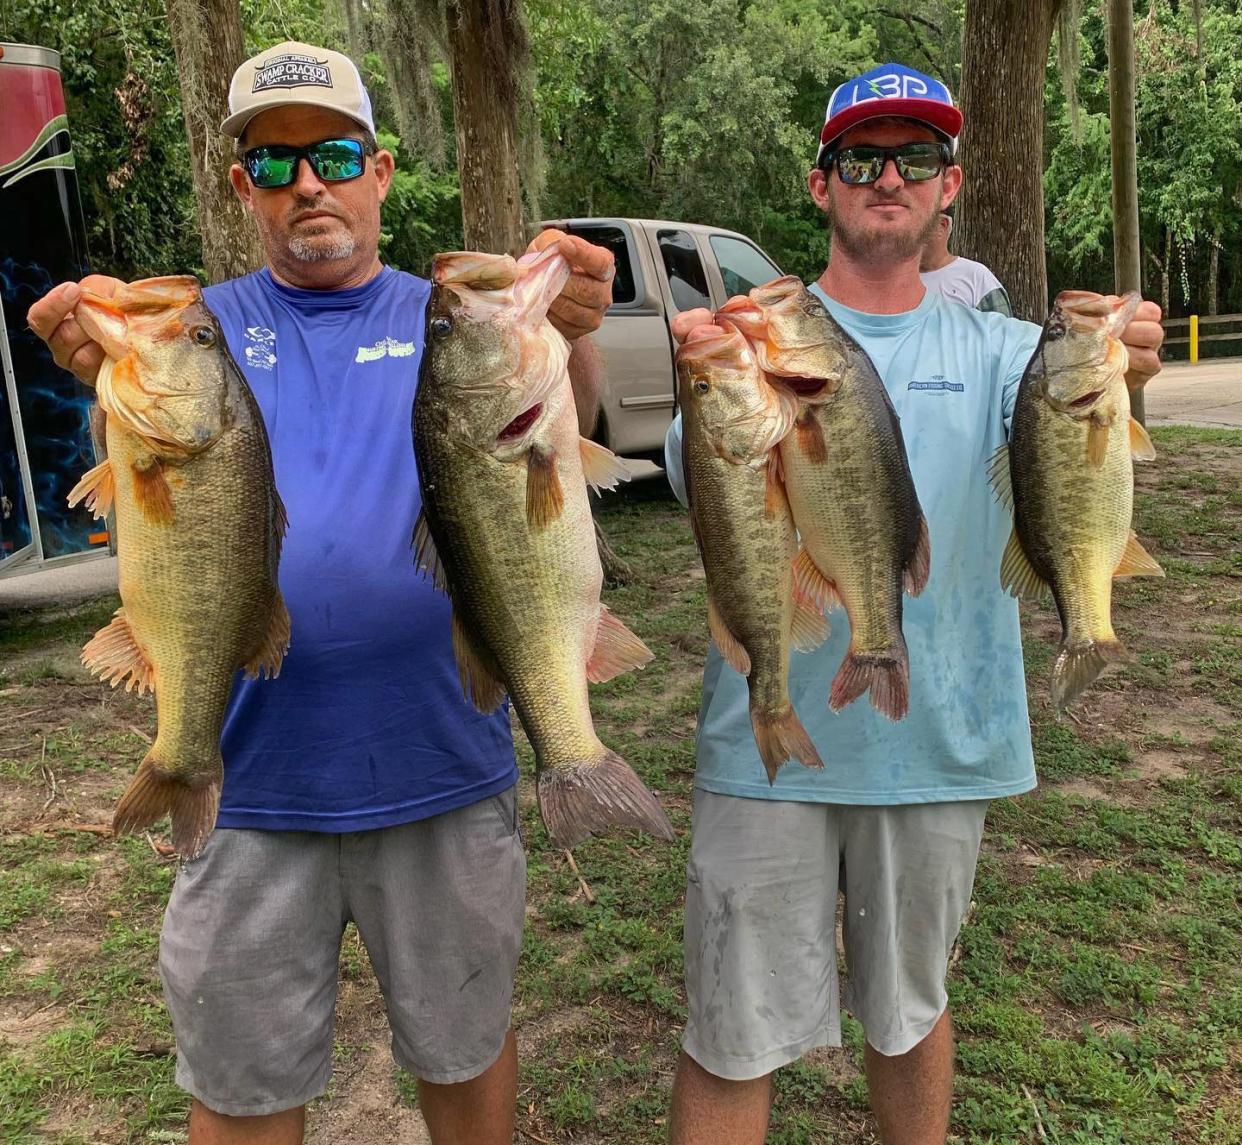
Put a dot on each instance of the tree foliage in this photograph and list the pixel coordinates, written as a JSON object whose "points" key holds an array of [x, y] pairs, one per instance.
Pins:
{"points": [[707, 112]]}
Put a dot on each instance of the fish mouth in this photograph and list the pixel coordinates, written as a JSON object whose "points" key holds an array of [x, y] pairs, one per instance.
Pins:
{"points": [[803, 387], [520, 424], [1086, 400]]}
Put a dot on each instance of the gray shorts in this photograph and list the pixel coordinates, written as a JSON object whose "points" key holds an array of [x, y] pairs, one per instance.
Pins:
{"points": [[251, 944], [760, 941]]}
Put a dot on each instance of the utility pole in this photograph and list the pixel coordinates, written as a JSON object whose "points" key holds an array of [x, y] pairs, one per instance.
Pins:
{"points": [[1126, 271]]}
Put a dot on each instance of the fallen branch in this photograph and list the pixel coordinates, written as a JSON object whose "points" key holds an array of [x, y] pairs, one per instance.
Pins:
{"points": [[1039, 1121], [141, 734], [586, 890]]}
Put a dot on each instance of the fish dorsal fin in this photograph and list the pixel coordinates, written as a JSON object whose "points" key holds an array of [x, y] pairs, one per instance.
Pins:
{"points": [[271, 654], [114, 655], [616, 649], [480, 678], [999, 476], [602, 468], [809, 628], [734, 654], [98, 487], [426, 556], [810, 584], [544, 496], [1017, 575], [918, 568], [1141, 447], [1097, 441], [1137, 561]]}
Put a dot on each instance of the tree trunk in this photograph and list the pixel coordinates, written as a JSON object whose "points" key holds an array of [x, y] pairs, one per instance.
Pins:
{"points": [[1001, 220], [1213, 299], [207, 39], [490, 59], [1127, 269]]}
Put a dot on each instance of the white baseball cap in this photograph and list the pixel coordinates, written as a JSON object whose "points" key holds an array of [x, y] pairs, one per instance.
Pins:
{"points": [[300, 75]]}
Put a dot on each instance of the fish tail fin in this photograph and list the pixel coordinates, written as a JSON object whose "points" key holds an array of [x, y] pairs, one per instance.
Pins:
{"points": [[1078, 666], [780, 736], [888, 677], [155, 791], [592, 796]]}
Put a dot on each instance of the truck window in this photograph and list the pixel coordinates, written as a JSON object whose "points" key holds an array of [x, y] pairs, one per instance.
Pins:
{"points": [[687, 283], [613, 238], [742, 267]]}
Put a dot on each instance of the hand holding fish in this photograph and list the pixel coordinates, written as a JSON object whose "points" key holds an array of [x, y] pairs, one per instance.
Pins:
{"points": [[579, 308], [52, 318], [1142, 337]]}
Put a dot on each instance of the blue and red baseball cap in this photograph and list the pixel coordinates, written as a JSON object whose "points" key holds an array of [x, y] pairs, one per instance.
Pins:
{"points": [[890, 89]]}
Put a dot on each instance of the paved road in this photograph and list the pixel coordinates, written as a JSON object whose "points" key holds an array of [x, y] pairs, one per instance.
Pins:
{"points": [[68, 584], [1208, 394]]}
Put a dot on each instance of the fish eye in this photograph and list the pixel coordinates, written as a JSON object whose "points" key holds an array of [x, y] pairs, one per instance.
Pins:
{"points": [[203, 335], [702, 385], [440, 325]]}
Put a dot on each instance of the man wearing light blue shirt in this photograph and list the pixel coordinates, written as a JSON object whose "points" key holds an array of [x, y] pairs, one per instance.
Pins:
{"points": [[895, 818]]}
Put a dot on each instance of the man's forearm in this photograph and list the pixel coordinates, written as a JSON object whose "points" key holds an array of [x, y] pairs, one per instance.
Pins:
{"points": [[586, 377]]}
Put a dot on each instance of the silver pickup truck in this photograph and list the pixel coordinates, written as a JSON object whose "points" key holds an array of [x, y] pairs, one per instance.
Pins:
{"points": [[662, 268]]}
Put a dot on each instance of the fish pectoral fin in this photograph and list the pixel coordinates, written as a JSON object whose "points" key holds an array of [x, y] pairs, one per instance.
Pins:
{"points": [[544, 496], [1137, 561], [1017, 575], [730, 647], [271, 654], [1141, 447], [426, 555], [98, 487], [809, 435], [774, 496], [918, 568], [999, 476], [480, 678], [1097, 441], [152, 493], [811, 584], [810, 626], [114, 654], [602, 468], [616, 649]]}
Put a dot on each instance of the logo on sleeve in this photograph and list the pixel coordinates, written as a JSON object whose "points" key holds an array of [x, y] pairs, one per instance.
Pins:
{"points": [[260, 350], [937, 383], [384, 348]]}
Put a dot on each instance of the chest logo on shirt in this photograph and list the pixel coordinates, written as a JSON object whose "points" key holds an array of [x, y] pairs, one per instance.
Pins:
{"points": [[260, 347], [937, 383], [384, 348]]}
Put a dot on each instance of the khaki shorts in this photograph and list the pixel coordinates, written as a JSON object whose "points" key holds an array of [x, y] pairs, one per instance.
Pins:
{"points": [[760, 939], [251, 943]]}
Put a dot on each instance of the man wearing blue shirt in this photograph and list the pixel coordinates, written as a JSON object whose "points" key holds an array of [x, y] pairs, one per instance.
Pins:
{"points": [[360, 785], [895, 818]]}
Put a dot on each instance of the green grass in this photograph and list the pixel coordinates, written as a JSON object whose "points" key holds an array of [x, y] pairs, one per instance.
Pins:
{"points": [[1097, 988]]}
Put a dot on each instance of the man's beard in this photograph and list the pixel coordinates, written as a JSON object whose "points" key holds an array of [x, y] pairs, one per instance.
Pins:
{"points": [[314, 248], [868, 245]]}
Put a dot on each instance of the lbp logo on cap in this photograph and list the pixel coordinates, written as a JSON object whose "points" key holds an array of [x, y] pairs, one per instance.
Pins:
{"points": [[891, 85], [292, 70]]}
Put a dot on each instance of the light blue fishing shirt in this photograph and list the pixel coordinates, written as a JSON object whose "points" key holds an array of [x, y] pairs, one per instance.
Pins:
{"points": [[952, 374]]}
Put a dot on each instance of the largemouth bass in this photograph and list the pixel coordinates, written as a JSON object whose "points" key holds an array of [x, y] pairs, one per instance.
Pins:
{"points": [[506, 529], [864, 536], [1067, 473], [198, 534], [732, 424]]}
